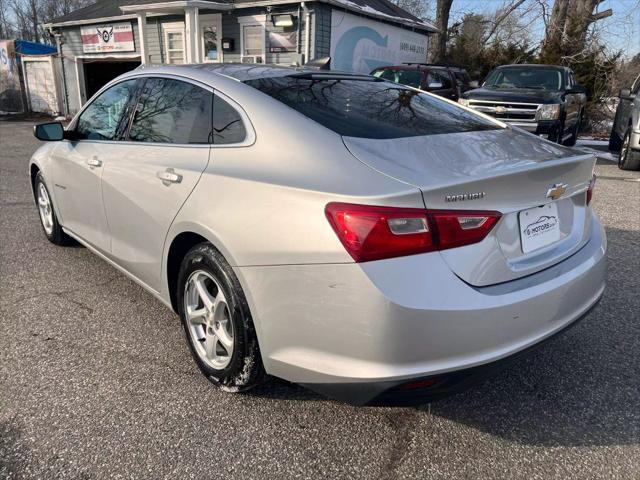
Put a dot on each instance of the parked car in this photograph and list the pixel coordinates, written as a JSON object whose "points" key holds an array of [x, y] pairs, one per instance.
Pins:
{"points": [[372, 250], [437, 79], [542, 99], [625, 133]]}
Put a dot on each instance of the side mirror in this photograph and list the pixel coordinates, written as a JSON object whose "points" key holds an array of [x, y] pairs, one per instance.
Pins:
{"points": [[474, 84], [49, 132], [625, 94], [578, 89], [434, 85]]}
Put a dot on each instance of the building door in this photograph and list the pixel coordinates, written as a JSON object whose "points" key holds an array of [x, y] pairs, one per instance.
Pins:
{"points": [[211, 38], [98, 73], [174, 43], [40, 83]]}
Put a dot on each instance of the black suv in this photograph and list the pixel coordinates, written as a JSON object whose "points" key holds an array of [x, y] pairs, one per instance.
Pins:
{"points": [[439, 79], [542, 99]]}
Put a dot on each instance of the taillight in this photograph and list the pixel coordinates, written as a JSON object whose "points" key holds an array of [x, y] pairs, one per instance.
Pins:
{"points": [[592, 185], [372, 233]]}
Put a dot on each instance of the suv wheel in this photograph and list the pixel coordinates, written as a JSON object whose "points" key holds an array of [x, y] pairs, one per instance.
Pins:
{"points": [[216, 320], [571, 141], [615, 142], [48, 218], [629, 160]]}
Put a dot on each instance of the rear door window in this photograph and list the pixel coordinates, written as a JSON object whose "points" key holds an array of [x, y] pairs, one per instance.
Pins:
{"points": [[172, 111], [370, 109], [228, 127]]}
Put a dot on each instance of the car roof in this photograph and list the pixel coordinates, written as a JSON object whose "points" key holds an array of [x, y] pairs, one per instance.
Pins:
{"points": [[241, 71], [534, 65]]}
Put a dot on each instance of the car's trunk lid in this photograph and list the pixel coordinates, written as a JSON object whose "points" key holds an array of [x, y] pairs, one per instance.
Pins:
{"points": [[501, 170]]}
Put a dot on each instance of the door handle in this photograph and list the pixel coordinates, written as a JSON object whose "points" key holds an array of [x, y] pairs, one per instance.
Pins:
{"points": [[94, 162], [169, 176]]}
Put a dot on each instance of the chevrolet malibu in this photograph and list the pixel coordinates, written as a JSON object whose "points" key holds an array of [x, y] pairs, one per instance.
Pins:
{"points": [[370, 241]]}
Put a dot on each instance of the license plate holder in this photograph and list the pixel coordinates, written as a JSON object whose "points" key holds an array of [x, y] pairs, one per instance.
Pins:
{"points": [[539, 227]]}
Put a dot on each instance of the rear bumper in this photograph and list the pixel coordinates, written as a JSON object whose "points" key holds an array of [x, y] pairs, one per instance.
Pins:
{"points": [[355, 331]]}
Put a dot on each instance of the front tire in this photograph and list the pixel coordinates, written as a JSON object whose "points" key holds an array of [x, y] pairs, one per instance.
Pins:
{"points": [[628, 160], [216, 320], [571, 141], [48, 218], [615, 142]]}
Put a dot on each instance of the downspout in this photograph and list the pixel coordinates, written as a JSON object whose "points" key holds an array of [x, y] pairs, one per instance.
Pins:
{"points": [[299, 45], [58, 38], [307, 32]]}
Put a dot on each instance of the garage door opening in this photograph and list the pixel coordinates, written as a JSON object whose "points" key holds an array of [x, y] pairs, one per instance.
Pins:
{"points": [[97, 74]]}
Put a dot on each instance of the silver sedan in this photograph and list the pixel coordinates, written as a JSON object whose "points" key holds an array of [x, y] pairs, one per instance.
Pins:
{"points": [[365, 239]]}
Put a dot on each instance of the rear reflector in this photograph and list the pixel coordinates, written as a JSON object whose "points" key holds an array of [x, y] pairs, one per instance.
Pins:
{"points": [[592, 185], [372, 233]]}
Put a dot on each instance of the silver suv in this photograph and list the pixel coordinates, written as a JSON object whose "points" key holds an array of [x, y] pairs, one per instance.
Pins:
{"points": [[357, 236], [625, 134]]}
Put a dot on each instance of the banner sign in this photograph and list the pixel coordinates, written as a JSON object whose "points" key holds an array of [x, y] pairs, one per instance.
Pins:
{"points": [[117, 37], [361, 45]]}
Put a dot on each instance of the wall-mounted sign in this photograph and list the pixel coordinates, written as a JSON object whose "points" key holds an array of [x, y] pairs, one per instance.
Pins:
{"points": [[117, 37], [361, 45], [283, 41]]}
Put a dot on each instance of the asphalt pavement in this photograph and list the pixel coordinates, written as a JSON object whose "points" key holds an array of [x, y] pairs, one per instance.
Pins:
{"points": [[96, 380]]}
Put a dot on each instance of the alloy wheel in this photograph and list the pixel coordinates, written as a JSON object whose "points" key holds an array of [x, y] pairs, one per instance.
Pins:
{"points": [[209, 320], [45, 209]]}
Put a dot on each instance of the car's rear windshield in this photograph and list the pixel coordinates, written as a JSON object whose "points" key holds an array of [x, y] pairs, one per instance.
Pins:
{"points": [[370, 109]]}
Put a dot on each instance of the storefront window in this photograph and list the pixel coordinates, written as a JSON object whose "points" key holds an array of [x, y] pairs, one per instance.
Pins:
{"points": [[210, 39]]}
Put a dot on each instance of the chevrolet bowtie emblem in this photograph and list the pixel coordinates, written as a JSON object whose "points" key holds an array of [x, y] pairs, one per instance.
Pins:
{"points": [[557, 190], [501, 110]]}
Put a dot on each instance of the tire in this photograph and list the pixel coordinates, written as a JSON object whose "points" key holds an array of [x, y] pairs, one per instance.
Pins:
{"points": [[48, 218], [571, 141], [629, 159], [224, 324], [615, 142]]}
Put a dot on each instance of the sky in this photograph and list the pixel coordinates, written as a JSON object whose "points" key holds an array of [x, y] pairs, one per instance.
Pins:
{"points": [[621, 31]]}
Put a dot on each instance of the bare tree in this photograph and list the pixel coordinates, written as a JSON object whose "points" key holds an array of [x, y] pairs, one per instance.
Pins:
{"points": [[439, 50], [567, 27]]}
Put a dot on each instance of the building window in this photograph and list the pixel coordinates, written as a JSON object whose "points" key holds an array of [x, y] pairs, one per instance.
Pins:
{"points": [[174, 47], [252, 42]]}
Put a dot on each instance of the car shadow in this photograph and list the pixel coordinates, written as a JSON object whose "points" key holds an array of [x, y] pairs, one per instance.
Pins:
{"points": [[579, 389]]}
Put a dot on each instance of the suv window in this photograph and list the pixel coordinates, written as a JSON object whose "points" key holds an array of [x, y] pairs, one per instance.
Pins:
{"points": [[462, 77], [100, 119], [442, 77], [172, 111], [635, 88], [370, 109], [413, 78], [227, 123]]}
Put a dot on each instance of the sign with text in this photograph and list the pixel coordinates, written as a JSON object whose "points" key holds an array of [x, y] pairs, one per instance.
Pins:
{"points": [[361, 45], [117, 37]]}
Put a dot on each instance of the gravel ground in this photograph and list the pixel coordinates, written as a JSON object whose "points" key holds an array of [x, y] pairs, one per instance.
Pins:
{"points": [[96, 380]]}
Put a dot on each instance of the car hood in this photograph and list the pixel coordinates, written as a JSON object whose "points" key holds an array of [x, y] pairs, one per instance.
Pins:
{"points": [[523, 95]]}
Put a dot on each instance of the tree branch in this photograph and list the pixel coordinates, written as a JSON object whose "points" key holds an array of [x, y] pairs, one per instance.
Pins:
{"points": [[600, 15]]}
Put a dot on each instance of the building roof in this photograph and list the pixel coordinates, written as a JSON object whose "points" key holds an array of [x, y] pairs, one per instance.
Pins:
{"points": [[381, 9]]}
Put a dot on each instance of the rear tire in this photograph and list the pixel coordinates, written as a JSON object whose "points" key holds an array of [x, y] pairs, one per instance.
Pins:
{"points": [[48, 218], [216, 320], [629, 159]]}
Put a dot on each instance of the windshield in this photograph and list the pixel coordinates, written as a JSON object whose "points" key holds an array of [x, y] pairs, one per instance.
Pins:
{"points": [[525, 77], [371, 109]]}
